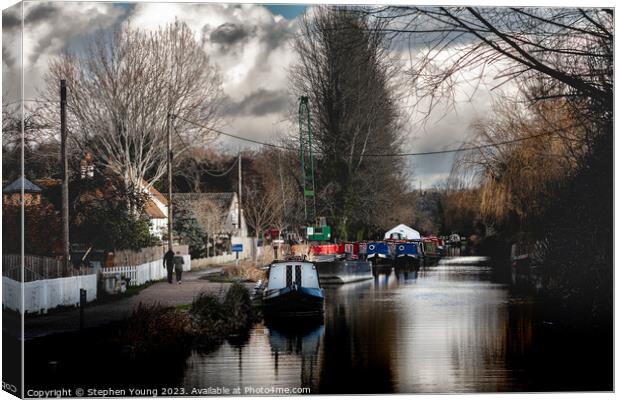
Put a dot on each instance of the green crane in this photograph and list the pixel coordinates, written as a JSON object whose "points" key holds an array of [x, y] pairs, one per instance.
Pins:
{"points": [[315, 230]]}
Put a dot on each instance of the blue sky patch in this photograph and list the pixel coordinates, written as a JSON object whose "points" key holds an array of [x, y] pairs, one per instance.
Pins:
{"points": [[288, 11]]}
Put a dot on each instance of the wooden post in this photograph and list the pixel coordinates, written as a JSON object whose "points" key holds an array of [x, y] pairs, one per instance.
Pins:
{"points": [[239, 197], [169, 157], [65, 175], [82, 305]]}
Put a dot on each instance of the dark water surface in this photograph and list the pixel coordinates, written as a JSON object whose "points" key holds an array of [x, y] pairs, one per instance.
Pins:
{"points": [[449, 328], [444, 329]]}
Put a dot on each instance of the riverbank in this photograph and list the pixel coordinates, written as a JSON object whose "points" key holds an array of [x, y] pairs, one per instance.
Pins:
{"points": [[162, 293], [151, 335]]}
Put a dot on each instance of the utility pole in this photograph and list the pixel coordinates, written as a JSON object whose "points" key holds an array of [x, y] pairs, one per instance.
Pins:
{"points": [[65, 174], [169, 157], [239, 195]]}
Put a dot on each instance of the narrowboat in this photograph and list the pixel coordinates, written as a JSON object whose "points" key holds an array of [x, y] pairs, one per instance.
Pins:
{"points": [[379, 253], [430, 250], [344, 271], [340, 263], [293, 289], [407, 254]]}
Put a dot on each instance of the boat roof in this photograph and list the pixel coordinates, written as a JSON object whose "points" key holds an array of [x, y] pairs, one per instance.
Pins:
{"points": [[405, 231]]}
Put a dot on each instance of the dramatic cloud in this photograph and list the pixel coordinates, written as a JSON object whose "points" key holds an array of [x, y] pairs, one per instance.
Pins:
{"points": [[229, 34], [259, 103], [11, 18], [251, 46], [49, 29]]}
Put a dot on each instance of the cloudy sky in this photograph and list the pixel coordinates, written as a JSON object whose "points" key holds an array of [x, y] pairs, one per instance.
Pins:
{"points": [[250, 44]]}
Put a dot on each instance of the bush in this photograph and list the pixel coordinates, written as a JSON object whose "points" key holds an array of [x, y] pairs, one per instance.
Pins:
{"points": [[214, 320], [208, 310], [238, 307], [245, 271], [153, 330], [109, 216], [41, 229]]}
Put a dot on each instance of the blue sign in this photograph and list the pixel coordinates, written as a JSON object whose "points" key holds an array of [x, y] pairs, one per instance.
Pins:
{"points": [[237, 247]]}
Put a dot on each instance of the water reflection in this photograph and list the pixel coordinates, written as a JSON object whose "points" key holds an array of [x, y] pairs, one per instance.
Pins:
{"points": [[452, 334], [445, 328], [301, 340], [359, 338]]}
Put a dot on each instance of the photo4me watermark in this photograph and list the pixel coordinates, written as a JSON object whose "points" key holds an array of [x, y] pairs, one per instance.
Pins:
{"points": [[167, 392]]}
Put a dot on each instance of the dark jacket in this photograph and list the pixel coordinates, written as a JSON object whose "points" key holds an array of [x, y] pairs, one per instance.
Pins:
{"points": [[169, 259]]}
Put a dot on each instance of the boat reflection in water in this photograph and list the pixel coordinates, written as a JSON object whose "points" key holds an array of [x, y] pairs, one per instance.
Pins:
{"points": [[297, 341]]}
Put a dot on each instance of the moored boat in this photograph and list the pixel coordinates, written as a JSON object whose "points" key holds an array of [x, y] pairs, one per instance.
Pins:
{"points": [[344, 271], [293, 289], [378, 252], [340, 263], [430, 249], [407, 254]]}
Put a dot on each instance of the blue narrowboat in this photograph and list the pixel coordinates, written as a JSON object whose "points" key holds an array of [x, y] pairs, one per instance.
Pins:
{"points": [[407, 254], [293, 289]]}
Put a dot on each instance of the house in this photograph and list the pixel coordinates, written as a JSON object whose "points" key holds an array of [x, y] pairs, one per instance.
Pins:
{"points": [[217, 213], [156, 208], [12, 193]]}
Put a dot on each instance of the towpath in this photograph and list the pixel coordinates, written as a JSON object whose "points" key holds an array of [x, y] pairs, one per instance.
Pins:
{"points": [[100, 314]]}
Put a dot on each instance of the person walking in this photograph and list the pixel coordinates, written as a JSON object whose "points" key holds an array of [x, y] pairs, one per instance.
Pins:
{"points": [[169, 264], [178, 266]]}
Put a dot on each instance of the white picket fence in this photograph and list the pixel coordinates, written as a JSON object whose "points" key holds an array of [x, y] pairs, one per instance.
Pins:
{"points": [[31, 268], [248, 249], [44, 294], [140, 274]]}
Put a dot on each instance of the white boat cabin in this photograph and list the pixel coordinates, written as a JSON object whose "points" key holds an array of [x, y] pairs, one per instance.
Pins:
{"points": [[286, 273]]}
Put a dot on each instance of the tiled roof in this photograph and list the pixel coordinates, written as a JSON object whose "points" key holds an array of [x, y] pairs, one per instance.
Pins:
{"points": [[16, 186], [153, 211], [156, 193]]}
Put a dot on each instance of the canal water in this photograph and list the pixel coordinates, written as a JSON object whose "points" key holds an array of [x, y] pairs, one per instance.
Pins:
{"points": [[457, 327], [447, 328]]}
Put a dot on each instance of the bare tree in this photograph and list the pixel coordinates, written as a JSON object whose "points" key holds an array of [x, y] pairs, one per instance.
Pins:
{"points": [[568, 52], [345, 70], [211, 218], [258, 208], [123, 88], [40, 150]]}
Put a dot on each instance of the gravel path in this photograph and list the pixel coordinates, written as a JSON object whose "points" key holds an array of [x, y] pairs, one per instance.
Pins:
{"points": [[161, 292]]}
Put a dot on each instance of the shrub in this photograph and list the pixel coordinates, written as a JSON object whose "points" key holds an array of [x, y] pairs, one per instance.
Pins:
{"points": [[238, 306], [207, 309], [216, 318], [154, 329], [245, 271]]}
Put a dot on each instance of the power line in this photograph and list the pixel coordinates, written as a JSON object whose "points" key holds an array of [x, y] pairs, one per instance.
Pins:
{"points": [[484, 146], [424, 153], [223, 173], [31, 100], [212, 173], [234, 136]]}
